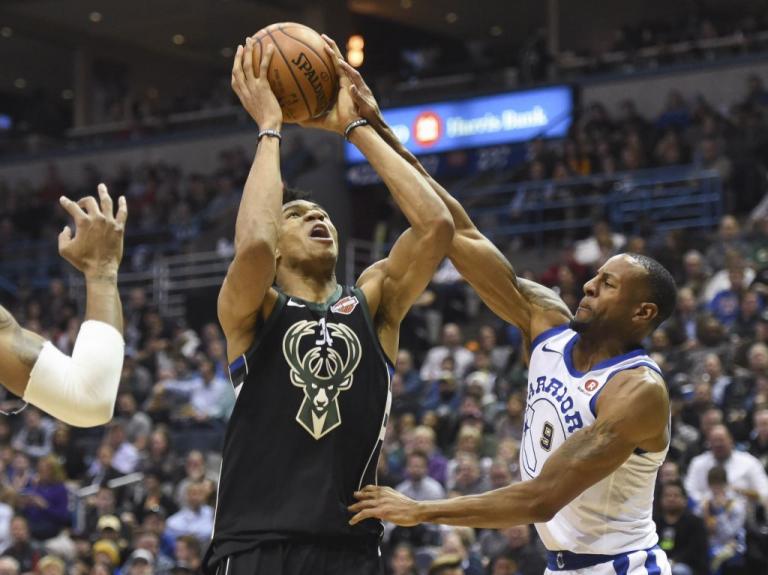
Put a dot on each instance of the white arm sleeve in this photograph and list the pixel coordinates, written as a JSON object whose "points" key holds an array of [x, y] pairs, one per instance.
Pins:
{"points": [[79, 390]]}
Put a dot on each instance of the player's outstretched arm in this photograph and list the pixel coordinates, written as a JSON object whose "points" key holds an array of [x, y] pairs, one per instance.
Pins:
{"points": [[81, 389], [633, 412], [530, 306], [252, 270], [392, 285]]}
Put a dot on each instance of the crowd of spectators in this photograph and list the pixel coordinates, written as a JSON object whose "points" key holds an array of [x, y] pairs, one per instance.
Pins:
{"points": [[687, 132], [71, 500], [137, 496]]}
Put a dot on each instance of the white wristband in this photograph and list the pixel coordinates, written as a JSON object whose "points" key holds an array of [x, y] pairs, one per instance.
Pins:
{"points": [[79, 390]]}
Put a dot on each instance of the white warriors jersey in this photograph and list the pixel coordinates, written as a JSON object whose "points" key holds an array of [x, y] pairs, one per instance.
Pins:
{"points": [[614, 515]]}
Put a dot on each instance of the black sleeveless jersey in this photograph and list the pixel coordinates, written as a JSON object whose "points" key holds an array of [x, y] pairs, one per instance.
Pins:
{"points": [[313, 399]]}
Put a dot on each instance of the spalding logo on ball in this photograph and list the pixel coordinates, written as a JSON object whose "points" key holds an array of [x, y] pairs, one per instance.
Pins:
{"points": [[301, 73]]}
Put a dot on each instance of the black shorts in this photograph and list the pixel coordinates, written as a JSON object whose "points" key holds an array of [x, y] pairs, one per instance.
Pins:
{"points": [[299, 558]]}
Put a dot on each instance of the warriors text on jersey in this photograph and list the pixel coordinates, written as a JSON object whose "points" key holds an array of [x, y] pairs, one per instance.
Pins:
{"points": [[312, 405], [615, 514]]}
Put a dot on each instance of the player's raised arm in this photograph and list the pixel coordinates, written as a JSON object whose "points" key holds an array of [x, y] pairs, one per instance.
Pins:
{"points": [[392, 285], [252, 271], [530, 306], [631, 413], [81, 389]]}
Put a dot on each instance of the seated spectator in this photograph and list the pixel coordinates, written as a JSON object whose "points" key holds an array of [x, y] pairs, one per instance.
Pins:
{"points": [[160, 459], [682, 535], [35, 436], [599, 247], [195, 471], [125, 456], [514, 550], [140, 562], [210, 401], [452, 346], [468, 476], [745, 473], [418, 484], [402, 560], [25, 550], [143, 539], [46, 503], [195, 517], [50, 565], [68, 453], [137, 424], [500, 355], [9, 566], [189, 553], [414, 386], [423, 441], [149, 495], [107, 554], [102, 470], [510, 423], [724, 514], [500, 475], [758, 442], [725, 305], [458, 541], [101, 504]]}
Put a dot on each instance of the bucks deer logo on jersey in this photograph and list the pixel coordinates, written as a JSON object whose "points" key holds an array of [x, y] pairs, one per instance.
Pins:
{"points": [[323, 371]]}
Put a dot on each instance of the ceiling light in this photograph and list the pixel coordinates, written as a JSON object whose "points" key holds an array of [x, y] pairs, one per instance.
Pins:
{"points": [[178, 39], [496, 31], [451, 17], [226, 52], [356, 42], [6, 31], [95, 17], [67, 94], [407, 4], [20, 83]]}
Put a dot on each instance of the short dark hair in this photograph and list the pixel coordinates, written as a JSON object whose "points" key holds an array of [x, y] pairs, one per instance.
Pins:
{"points": [[292, 194], [661, 287], [674, 483], [717, 476]]}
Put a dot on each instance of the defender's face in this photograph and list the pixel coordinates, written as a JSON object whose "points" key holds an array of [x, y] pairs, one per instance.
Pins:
{"points": [[612, 296], [307, 232]]}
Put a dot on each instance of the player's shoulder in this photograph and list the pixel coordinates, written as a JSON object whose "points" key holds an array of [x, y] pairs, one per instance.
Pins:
{"points": [[640, 382], [636, 394]]}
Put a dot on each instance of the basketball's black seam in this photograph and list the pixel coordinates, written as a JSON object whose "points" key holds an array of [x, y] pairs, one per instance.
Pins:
{"points": [[288, 65], [331, 73]]}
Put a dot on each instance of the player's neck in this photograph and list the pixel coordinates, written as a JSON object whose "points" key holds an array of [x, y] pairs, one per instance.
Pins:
{"points": [[312, 287], [589, 351]]}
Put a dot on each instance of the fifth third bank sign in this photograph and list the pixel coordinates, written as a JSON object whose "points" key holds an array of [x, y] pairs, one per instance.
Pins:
{"points": [[479, 122]]}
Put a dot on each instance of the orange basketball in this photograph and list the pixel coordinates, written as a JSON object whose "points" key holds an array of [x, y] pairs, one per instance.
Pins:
{"points": [[301, 74]]}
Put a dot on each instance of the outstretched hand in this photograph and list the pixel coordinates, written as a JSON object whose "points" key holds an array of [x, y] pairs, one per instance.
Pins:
{"points": [[362, 96], [384, 503], [254, 92], [344, 110], [97, 246]]}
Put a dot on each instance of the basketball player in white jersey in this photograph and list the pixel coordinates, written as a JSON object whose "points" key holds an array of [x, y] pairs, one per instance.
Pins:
{"points": [[79, 390], [597, 418]]}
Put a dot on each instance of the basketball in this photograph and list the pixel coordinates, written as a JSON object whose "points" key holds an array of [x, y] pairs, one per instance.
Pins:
{"points": [[301, 73]]}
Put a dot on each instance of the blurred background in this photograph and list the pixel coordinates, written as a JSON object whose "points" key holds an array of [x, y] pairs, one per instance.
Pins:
{"points": [[569, 130]]}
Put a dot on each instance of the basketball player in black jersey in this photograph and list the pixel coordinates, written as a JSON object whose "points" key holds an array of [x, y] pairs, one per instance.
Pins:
{"points": [[310, 359]]}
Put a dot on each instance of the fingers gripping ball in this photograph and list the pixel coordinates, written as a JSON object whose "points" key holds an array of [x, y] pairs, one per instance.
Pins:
{"points": [[301, 73]]}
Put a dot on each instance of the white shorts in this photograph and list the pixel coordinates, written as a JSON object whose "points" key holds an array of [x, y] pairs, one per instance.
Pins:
{"points": [[646, 562]]}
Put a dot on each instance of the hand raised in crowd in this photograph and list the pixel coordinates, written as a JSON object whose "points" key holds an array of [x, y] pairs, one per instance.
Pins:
{"points": [[344, 110], [254, 92], [97, 246]]}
